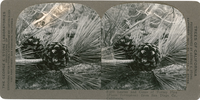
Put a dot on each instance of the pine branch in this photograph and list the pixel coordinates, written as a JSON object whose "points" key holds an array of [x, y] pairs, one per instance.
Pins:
{"points": [[115, 61], [27, 61], [104, 61]]}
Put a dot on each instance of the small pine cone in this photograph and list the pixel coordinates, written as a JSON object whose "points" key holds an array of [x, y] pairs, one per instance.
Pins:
{"points": [[55, 56], [32, 45], [125, 44]]}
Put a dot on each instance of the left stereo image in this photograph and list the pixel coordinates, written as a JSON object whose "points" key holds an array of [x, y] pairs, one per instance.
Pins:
{"points": [[58, 46]]}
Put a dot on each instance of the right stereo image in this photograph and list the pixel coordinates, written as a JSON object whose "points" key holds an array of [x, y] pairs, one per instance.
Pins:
{"points": [[143, 48]]}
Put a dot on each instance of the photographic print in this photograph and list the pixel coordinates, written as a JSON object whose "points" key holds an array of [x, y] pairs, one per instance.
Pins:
{"points": [[58, 46], [135, 46], [143, 48]]}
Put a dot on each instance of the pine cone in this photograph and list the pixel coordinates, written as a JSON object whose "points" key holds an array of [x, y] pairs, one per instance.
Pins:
{"points": [[146, 57], [32, 46], [55, 56]]}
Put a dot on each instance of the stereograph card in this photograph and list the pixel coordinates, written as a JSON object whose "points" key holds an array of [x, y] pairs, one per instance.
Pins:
{"points": [[100, 50]]}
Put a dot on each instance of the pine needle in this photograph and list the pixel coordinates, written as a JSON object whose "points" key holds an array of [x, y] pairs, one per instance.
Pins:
{"points": [[174, 49], [170, 78], [86, 43], [82, 77]]}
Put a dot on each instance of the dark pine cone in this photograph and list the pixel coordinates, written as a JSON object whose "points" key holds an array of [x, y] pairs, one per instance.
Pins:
{"points": [[146, 57], [126, 45], [32, 48], [55, 56]]}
